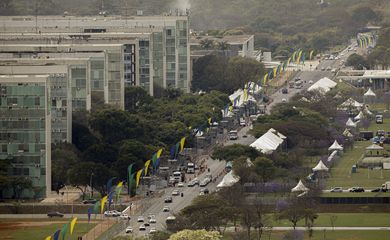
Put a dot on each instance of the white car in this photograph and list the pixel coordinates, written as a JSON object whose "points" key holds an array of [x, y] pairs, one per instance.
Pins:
{"points": [[311, 82], [152, 219], [129, 229], [175, 192], [140, 219], [152, 230], [124, 216], [166, 209], [284, 100], [180, 184], [142, 228]]}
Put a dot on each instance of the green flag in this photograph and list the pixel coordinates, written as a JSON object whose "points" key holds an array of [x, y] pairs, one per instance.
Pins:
{"points": [[64, 229]]}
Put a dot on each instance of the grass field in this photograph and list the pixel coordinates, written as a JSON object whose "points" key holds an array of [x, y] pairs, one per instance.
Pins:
{"points": [[345, 220], [31, 230], [351, 194], [320, 235]]}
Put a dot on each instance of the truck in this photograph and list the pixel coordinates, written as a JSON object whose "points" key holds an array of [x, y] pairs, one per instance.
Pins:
{"points": [[190, 168], [233, 135], [298, 84], [379, 119], [386, 186]]}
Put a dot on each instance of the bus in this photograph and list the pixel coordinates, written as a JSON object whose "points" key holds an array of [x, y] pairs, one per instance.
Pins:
{"points": [[177, 176], [190, 167], [233, 135]]}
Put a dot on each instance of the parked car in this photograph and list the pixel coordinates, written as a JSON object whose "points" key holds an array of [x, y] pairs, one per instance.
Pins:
{"points": [[152, 219], [89, 201], [124, 216], [55, 214], [146, 224], [152, 230], [129, 229], [180, 184], [205, 190], [336, 189], [284, 91], [168, 200], [140, 219], [311, 82], [284, 100]]}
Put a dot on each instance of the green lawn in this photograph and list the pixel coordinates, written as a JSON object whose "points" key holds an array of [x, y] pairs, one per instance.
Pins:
{"points": [[320, 235], [12, 230], [345, 220], [351, 194]]}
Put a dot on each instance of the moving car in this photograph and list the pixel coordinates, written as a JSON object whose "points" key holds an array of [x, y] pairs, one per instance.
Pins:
{"points": [[55, 214], [146, 224], [284, 100], [168, 200], [142, 227], [113, 213], [284, 91], [152, 219], [129, 229], [336, 189], [356, 189], [180, 184], [191, 184], [175, 192], [140, 219], [124, 216], [90, 201], [152, 230], [205, 190], [311, 82], [166, 209]]}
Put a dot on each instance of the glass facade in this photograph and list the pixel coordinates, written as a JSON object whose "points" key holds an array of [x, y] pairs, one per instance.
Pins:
{"points": [[114, 77], [97, 74], [182, 50], [130, 64], [79, 87], [23, 132], [144, 64], [158, 60], [170, 50]]}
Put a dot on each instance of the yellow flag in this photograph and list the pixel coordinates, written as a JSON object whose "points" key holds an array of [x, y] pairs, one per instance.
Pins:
{"points": [[299, 57], [183, 140], [72, 223], [289, 60], [245, 94], [102, 203], [265, 79], [209, 121], [311, 54], [160, 150], [137, 177], [120, 184], [231, 108], [48, 238], [147, 163], [275, 71]]}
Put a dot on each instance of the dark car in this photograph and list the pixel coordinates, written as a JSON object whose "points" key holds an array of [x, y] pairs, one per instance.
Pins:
{"points": [[54, 214], [357, 189], [379, 190], [90, 201], [168, 200], [284, 91]]}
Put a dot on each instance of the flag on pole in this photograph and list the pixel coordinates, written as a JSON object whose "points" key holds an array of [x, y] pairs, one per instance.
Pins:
{"points": [[183, 139], [129, 170], [72, 224], [274, 71], [160, 150], [137, 177], [172, 152], [147, 163], [89, 212], [57, 234], [96, 207], [110, 196], [103, 202], [311, 54], [109, 184], [48, 238], [64, 230], [118, 190], [154, 158]]}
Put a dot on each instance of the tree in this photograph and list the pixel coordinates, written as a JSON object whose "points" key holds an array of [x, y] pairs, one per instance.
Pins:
{"points": [[136, 97], [18, 184], [293, 212], [265, 168], [243, 70], [63, 154], [223, 45], [357, 61], [196, 235], [232, 152], [206, 43], [82, 138]]}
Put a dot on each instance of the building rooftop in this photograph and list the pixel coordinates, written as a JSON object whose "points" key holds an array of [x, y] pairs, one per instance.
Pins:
{"points": [[28, 69], [230, 39], [377, 74]]}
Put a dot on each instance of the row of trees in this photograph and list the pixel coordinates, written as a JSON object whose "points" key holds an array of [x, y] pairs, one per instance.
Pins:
{"points": [[105, 142]]}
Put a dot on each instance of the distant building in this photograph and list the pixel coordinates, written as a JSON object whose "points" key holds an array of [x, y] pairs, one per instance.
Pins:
{"points": [[25, 130]]}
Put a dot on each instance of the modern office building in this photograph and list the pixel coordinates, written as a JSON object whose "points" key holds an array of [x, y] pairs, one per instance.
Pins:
{"points": [[158, 50], [61, 98], [25, 125]]}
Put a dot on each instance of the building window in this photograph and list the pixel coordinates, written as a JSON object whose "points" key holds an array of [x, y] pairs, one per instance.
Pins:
{"points": [[37, 101]]}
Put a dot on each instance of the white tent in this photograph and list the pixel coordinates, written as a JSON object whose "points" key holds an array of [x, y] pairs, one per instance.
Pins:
{"points": [[347, 133], [374, 147], [335, 146], [367, 111], [332, 155], [358, 117], [228, 180], [350, 123], [300, 187], [323, 85], [350, 103], [320, 167], [269, 141], [370, 93]]}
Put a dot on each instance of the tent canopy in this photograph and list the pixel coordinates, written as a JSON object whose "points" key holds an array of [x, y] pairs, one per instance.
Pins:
{"points": [[350, 102], [332, 155], [300, 187], [347, 133], [374, 147], [360, 116], [320, 167], [269, 141], [350, 123], [228, 180], [370, 93], [335, 146], [324, 85]]}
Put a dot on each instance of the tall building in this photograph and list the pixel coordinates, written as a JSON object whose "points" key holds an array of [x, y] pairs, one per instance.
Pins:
{"points": [[25, 130]]}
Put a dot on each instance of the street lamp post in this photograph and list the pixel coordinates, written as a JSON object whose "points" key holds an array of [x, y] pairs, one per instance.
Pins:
{"points": [[90, 185]]}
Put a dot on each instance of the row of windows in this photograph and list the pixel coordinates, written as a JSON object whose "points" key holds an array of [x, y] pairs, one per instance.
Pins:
{"points": [[28, 101], [22, 124], [23, 137]]}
